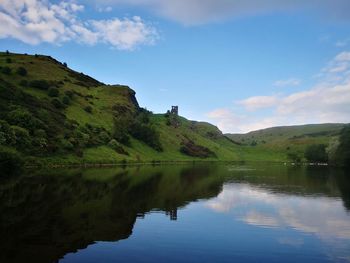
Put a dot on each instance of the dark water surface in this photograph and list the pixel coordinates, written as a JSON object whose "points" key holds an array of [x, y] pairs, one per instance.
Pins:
{"points": [[177, 213]]}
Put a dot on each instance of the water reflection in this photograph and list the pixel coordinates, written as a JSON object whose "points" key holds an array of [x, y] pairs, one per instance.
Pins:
{"points": [[45, 215], [323, 216]]}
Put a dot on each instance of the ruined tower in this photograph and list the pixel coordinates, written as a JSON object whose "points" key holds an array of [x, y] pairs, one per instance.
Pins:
{"points": [[175, 110]]}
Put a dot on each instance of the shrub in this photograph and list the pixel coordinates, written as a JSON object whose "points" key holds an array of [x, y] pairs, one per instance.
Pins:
{"points": [[6, 70], [104, 137], [69, 93], [120, 132], [294, 157], [21, 137], [22, 71], [8, 60], [57, 103], [53, 92], [23, 118], [66, 144], [39, 84], [66, 100], [88, 109], [342, 154], [316, 153], [117, 147], [146, 133], [10, 163], [65, 64], [23, 83], [191, 149]]}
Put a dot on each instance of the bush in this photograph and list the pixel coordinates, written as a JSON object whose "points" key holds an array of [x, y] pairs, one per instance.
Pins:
{"points": [[23, 118], [117, 147], [10, 163], [120, 133], [191, 149], [22, 71], [57, 103], [104, 137], [21, 137], [66, 100], [88, 109], [66, 144], [53, 92], [23, 83], [146, 133], [39, 84], [8, 60], [342, 154], [69, 93], [316, 153], [6, 70], [294, 157]]}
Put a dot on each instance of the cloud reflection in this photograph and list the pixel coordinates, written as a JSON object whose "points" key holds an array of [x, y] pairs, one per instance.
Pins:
{"points": [[322, 216]]}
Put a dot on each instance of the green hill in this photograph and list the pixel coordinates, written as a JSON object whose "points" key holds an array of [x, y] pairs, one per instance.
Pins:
{"points": [[52, 114], [288, 139]]}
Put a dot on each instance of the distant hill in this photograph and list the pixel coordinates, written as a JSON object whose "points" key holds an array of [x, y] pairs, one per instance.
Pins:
{"points": [[287, 139]]}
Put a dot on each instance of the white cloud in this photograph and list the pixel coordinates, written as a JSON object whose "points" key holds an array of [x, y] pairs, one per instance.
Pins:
{"points": [[344, 56], [37, 21], [225, 119], [259, 102], [342, 43], [105, 9], [328, 101], [287, 82], [124, 34], [202, 11]]}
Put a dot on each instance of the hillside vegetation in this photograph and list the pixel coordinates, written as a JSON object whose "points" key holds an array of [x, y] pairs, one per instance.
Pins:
{"points": [[292, 141], [51, 114]]}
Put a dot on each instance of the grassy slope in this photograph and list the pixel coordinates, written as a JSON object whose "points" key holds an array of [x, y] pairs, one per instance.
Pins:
{"points": [[101, 98], [281, 140]]}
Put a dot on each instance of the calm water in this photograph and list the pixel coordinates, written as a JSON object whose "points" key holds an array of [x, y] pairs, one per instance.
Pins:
{"points": [[184, 213]]}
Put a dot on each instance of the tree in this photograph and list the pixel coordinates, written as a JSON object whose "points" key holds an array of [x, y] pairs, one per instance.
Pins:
{"points": [[316, 153], [342, 154]]}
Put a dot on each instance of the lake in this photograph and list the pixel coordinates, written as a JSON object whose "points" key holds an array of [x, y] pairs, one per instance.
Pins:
{"points": [[177, 213]]}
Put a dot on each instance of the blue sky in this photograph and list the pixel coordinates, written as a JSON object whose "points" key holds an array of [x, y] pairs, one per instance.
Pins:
{"points": [[242, 65]]}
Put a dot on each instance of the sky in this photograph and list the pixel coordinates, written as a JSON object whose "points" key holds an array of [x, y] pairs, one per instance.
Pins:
{"points": [[241, 65]]}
